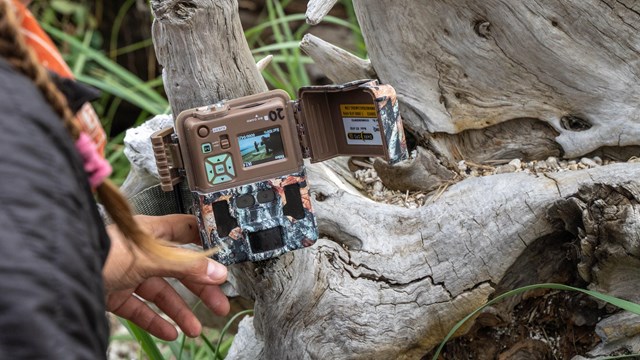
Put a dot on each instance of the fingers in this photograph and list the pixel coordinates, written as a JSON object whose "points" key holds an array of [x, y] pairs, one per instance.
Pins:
{"points": [[201, 275], [211, 296], [201, 270], [177, 228], [138, 312], [158, 291]]}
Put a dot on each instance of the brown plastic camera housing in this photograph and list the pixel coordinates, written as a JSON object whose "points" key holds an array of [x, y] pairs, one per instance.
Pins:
{"points": [[231, 143], [211, 139]]}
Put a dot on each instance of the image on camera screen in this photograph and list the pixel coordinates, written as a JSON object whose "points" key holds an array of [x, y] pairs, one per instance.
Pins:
{"points": [[261, 147]]}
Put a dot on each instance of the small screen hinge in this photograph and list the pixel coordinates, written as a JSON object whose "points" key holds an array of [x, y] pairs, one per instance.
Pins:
{"points": [[303, 136], [166, 150]]}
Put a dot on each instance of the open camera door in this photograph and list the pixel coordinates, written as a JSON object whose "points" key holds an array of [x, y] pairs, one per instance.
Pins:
{"points": [[360, 118]]}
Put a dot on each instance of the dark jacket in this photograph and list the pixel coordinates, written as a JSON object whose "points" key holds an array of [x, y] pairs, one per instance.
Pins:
{"points": [[52, 241]]}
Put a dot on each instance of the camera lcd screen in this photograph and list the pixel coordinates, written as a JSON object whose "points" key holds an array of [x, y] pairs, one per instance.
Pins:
{"points": [[261, 146]]}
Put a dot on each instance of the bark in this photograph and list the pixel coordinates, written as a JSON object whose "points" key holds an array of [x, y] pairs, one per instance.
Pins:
{"points": [[342, 65], [203, 52], [316, 10], [416, 272], [538, 77]]}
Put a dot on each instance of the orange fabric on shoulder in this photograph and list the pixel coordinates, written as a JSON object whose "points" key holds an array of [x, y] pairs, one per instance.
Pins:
{"points": [[49, 56], [40, 42]]}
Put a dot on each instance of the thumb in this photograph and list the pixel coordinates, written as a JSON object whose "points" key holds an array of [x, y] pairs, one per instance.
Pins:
{"points": [[202, 270]]}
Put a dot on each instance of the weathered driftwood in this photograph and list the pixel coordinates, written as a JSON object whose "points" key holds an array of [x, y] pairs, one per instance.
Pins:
{"points": [[389, 282], [460, 65], [394, 289], [422, 173], [316, 10], [203, 52], [262, 64], [415, 272], [342, 65]]}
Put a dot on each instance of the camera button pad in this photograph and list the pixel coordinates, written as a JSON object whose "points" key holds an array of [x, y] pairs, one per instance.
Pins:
{"points": [[219, 168]]}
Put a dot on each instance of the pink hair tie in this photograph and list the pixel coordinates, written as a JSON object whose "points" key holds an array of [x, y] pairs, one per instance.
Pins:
{"points": [[96, 167]]}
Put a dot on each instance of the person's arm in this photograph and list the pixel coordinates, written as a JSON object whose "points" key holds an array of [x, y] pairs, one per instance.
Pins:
{"points": [[51, 239], [129, 271]]}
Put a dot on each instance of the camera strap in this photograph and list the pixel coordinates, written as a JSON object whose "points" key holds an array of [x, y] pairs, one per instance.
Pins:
{"points": [[155, 201]]}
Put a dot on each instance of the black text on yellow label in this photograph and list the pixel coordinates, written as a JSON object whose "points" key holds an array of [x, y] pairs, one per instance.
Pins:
{"points": [[358, 110]]}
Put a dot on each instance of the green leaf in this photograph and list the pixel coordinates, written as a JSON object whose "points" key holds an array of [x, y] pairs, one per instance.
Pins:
{"points": [[112, 68], [209, 345], [224, 331], [81, 60], [144, 339], [66, 7], [623, 304], [117, 24], [125, 93], [286, 45]]}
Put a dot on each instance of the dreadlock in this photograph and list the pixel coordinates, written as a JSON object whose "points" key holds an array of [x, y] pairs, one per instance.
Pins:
{"points": [[15, 50]]}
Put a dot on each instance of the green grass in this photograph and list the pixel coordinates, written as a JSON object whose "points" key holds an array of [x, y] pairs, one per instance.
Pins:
{"points": [[211, 344], [279, 34]]}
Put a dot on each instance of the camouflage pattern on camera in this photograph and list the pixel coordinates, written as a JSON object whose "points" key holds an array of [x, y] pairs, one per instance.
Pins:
{"points": [[387, 103], [259, 217]]}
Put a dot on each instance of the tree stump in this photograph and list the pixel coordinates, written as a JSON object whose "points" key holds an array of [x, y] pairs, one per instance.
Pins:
{"points": [[488, 81]]}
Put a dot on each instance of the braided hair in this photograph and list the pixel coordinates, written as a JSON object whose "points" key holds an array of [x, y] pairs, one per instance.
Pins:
{"points": [[14, 49]]}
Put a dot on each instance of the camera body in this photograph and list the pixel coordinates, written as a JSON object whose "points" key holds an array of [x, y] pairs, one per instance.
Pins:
{"points": [[243, 161]]}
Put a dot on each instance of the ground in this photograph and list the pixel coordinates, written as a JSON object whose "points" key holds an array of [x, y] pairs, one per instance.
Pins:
{"points": [[555, 325], [546, 324]]}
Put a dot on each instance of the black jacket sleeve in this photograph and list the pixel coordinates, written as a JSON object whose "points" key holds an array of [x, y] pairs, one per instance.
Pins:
{"points": [[52, 241]]}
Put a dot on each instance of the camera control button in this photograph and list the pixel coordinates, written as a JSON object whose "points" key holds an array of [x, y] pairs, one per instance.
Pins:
{"points": [[221, 179], [210, 173], [219, 168], [245, 201], [224, 142], [206, 148], [218, 158], [229, 166], [265, 196], [203, 131]]}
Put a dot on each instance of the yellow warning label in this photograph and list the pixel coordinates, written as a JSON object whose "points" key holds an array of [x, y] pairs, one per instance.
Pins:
{"points": [[358, 110]]}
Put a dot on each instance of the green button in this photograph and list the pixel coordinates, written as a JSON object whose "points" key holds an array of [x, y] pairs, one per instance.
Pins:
{"points": [[206, 148], [210, 173], [229, 165], [218, 158], [221, 179], [220, 168]]}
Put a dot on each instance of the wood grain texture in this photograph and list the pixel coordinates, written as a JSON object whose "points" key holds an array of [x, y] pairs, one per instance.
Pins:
{"points": [[204, 54], [416, 272], [317, 9], [337, 64], [389, 282], [460, 65]]}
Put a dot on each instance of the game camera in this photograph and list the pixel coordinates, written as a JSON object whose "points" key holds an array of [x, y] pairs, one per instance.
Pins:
{"points": [[243, 161]]}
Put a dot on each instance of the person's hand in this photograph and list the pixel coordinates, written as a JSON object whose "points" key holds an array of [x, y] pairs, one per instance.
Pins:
{"points": [[129, 275]]}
